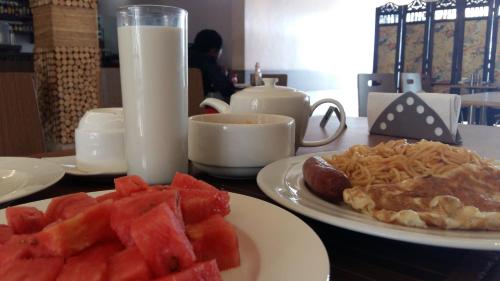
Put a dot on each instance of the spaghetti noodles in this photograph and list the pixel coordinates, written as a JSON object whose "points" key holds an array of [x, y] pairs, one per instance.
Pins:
{"points": [[397, 160]]}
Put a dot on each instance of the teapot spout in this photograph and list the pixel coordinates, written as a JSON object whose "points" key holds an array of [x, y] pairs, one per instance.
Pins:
{"points": [[216, 104]]}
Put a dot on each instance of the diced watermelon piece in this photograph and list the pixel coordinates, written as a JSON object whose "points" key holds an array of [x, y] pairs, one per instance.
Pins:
{"points": [[113, 195], [91, 264], [67, 206], [22, 246], [127, 209], [182, 180], [5, 233], [127, 185], [201, 271], [128, 265], [39, 269], [160, 238], [24, 220], [198, 205], [72, 235], [215, 238]]}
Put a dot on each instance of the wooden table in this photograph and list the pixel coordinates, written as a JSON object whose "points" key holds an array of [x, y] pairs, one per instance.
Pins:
{"points": [[353, 256], [482, 100]]}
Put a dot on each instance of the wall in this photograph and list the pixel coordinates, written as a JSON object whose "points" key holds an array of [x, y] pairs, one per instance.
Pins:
{"points": [[212, 14], [321, 44]]}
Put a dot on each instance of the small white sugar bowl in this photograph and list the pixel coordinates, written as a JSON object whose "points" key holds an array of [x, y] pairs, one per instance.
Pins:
{"points": [[99, 141]]}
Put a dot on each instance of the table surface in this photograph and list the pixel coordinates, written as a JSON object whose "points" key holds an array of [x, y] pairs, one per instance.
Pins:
{"points": [[491, 99], [353, 256]]}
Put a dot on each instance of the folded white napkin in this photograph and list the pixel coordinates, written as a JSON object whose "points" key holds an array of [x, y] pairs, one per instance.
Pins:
{"points": [[421, 115]]}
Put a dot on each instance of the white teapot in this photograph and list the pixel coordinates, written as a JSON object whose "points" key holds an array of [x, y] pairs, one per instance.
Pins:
{"points": [[274, 99]]}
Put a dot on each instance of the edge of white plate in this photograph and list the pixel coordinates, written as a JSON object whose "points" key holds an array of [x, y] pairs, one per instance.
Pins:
{"points": [[58, 177]]}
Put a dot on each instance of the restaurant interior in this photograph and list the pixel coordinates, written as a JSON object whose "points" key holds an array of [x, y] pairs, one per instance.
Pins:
{"points": [[360, 143]]}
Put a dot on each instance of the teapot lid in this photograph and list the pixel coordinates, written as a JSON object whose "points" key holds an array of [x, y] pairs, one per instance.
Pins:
{"points": [[270, 89]]}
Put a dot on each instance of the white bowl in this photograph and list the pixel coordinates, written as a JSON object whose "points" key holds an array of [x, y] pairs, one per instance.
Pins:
{"points": [[99, 141], [238, 145]]}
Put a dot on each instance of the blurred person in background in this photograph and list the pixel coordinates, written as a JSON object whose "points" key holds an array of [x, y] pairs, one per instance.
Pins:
{"points": [[203, 54]]}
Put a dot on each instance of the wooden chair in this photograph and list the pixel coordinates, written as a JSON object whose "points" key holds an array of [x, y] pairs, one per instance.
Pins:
{"points": [[195, 92], [376, 82], [110, 87], [21, 132]]}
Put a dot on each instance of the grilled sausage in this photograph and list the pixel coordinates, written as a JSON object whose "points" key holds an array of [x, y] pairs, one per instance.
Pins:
{"points": [[324, 180]]}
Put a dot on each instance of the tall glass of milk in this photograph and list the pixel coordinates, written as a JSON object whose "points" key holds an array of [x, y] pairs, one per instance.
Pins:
{"points": [[152, 43]]}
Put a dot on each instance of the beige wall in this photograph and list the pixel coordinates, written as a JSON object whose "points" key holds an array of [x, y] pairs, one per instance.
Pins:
{"points": [[328, 41]]}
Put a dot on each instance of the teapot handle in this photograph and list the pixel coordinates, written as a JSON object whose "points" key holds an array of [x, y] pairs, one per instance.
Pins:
{"points": [[339, 130]]}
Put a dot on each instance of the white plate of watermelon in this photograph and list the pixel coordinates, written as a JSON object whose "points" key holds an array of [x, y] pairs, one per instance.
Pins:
{"points": [[273, 244]]}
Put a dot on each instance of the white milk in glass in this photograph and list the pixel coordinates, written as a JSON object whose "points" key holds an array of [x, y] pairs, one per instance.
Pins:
{"points": [[154, 90]]}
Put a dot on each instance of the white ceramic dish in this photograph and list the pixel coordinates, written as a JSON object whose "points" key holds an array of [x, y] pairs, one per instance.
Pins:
{"points": [[99, 141], [239, 143], [274, 244], [68, 163], [22, 176], [283, 182]]}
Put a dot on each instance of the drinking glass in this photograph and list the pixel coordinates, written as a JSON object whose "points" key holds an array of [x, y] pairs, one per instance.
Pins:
{"points": [[152, 43]]}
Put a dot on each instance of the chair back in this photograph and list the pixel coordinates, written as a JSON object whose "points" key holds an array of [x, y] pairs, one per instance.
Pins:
{"points": [[21, 132], [376, 82], [411, 81], [195, 92], [282, 78], [427, 84], [110, 87]]}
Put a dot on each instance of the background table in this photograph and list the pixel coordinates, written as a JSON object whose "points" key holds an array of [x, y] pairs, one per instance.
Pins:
{"points": [[483, 100], [353, 256]]}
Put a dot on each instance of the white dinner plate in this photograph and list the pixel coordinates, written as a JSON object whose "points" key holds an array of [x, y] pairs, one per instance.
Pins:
{"points": [[274, 244], [69, 165], [283, 182], [22, 176]]}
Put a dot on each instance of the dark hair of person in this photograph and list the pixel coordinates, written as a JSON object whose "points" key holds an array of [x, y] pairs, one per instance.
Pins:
{"points": [[206, 40]]}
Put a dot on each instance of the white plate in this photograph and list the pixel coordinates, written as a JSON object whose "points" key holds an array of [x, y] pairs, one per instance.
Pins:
{"points": [[22, 176], [274, 244], [283, 182], [69, 165], [228, 172]]}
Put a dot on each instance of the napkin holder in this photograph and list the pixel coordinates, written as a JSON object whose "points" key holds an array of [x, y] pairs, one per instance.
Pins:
{"points": [[411, 115]]}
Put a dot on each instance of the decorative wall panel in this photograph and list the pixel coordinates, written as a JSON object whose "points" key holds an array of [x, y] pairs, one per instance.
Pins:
{"points": [[387, 48], [497, 58], [473, 49], [442, 51], [414, 47]]}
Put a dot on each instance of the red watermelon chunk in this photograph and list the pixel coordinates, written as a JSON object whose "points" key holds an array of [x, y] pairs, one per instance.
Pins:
{"points": [[70, 236], [22, 246], [125, 210], [128, 265], [215, 238], [182, 180], [67, 206], [113, 195], [201, 271], [91, 264], [39, 269], [127, 185], [198, 205], [5, 233], [160, 238], [25, 220]]}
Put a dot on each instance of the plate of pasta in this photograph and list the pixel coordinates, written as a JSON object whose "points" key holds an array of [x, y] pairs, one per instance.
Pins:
{"points": [[427, 193]]}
